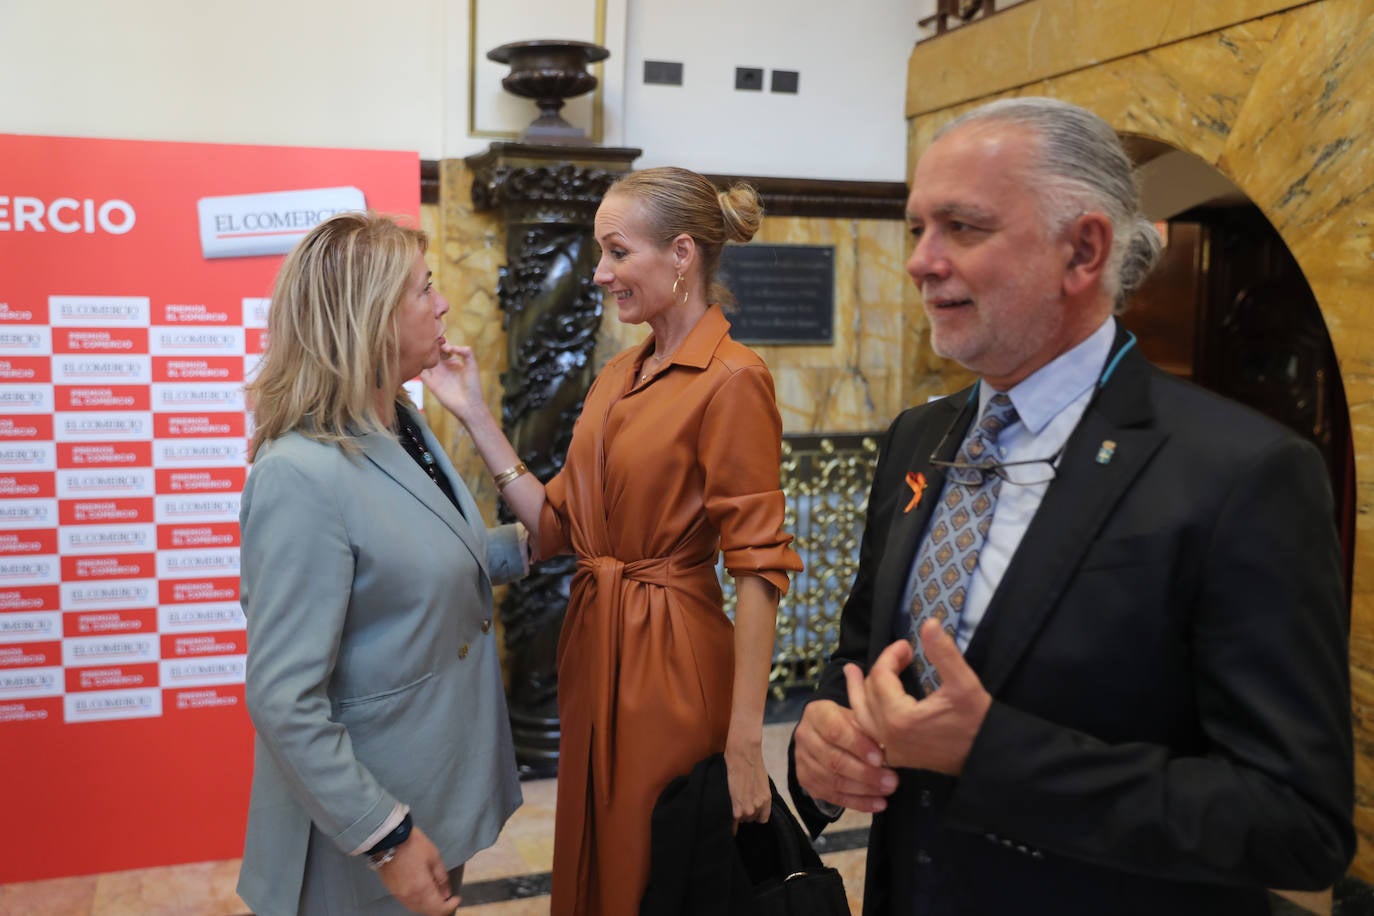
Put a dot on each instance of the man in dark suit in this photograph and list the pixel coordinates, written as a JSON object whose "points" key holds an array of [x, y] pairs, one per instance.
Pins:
{"points": [[1129, 690]]}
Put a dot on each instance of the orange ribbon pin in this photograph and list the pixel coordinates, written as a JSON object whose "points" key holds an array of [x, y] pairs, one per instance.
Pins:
{"points": [[917, 482]]}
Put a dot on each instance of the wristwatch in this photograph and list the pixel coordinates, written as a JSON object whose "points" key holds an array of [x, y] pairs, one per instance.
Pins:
{"points": [[386, 847]]}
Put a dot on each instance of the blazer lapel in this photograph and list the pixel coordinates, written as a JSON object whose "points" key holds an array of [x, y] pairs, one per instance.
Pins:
{"points": [[907, 525], [1076, 506], [388, 455]]}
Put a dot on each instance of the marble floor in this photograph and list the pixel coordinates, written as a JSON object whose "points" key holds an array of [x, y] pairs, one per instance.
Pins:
{"points": [[509, 879]]}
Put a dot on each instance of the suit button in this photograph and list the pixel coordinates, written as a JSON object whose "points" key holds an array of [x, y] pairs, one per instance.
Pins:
{"points": [[463, 651], [925, 798], [486, 625], [923, 857]]}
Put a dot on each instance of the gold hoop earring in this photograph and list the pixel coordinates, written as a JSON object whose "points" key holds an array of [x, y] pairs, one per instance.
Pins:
{"points": [[686, 293]]}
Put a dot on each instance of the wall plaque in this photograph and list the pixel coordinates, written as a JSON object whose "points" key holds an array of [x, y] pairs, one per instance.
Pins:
{"points": [[786, 293]]}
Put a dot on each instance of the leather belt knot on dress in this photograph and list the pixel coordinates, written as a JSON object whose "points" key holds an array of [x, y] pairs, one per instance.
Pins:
{"points": [[605, 576]]}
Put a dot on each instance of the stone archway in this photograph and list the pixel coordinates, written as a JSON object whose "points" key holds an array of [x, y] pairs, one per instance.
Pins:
{"points": [[1275, 96], [1230, 309]]}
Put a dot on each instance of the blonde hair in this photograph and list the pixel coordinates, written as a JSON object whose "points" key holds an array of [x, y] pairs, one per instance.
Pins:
{"points": [[331, 335], [678, 202]]}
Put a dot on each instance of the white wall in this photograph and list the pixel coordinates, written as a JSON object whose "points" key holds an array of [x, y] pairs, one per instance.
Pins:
{"points": [[399, 75], [298, 72], [846, 122], [1178, 180], [497, 114]]}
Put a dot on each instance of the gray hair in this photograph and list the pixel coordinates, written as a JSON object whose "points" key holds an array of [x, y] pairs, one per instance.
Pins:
{"points": [[1081, 166]]}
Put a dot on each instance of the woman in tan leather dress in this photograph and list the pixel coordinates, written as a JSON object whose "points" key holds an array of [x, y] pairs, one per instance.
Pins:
{"points": [[674, 459]]}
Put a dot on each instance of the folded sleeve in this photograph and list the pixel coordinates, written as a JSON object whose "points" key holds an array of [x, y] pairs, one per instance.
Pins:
{"points": [[740, 451], [554, 536], [508, 553]]}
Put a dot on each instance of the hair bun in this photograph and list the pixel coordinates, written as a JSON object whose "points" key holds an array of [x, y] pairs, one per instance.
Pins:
{"points": [[742, 211], [1142, 253]]}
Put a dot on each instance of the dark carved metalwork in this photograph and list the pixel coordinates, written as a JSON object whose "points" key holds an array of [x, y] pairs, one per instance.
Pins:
{"points": [[551, 311], [562, 187]]}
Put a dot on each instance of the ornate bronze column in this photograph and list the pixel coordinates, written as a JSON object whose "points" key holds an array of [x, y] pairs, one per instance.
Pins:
{"points": [[547, 196]]}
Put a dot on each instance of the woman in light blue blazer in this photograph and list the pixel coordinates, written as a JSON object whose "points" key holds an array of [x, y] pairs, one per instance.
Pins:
{"points": [[383, 757]]}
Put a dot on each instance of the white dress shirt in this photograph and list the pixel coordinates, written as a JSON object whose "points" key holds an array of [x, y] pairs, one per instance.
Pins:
{"points": [[1049, 403]]}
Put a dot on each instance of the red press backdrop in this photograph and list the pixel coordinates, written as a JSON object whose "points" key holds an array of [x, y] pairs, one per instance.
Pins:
{"points": [[133, 294]]}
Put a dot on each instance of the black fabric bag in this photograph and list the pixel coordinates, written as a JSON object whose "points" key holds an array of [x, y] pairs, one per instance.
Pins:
{"points": [[696, 868], [787, 874]]}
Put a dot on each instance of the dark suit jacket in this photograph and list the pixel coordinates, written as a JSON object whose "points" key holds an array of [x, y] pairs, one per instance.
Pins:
{"points": [[698, 868], [694, 869], [1170, 728]]}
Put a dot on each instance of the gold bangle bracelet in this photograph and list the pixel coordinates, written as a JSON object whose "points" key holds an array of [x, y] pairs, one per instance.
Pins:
{"points": [[509, 474]]}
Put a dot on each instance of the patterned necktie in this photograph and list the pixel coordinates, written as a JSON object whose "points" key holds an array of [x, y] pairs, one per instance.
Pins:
{"points": [[958, 528]]}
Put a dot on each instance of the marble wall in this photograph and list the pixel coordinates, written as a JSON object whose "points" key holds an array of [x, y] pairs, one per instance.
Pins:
{"points": [[1276, 96], [857, 384], [466, 249]]}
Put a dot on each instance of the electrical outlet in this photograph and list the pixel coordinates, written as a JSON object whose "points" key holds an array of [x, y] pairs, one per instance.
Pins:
{"points": [[785, 81], [663, 72], [750, 78]]}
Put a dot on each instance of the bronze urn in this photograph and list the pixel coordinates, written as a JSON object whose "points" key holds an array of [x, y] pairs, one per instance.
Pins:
{"points": [[549, 71]]}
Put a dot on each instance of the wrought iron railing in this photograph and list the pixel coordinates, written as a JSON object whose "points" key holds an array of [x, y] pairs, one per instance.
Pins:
{"points": [[959, 12], [826, 479]]}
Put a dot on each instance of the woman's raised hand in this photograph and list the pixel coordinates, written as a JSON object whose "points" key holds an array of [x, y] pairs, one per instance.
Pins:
{"points": [[455, 381]]}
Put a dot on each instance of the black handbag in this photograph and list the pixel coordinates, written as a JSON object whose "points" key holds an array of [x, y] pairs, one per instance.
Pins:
{"points": [[697, 868], [787, 875]]}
